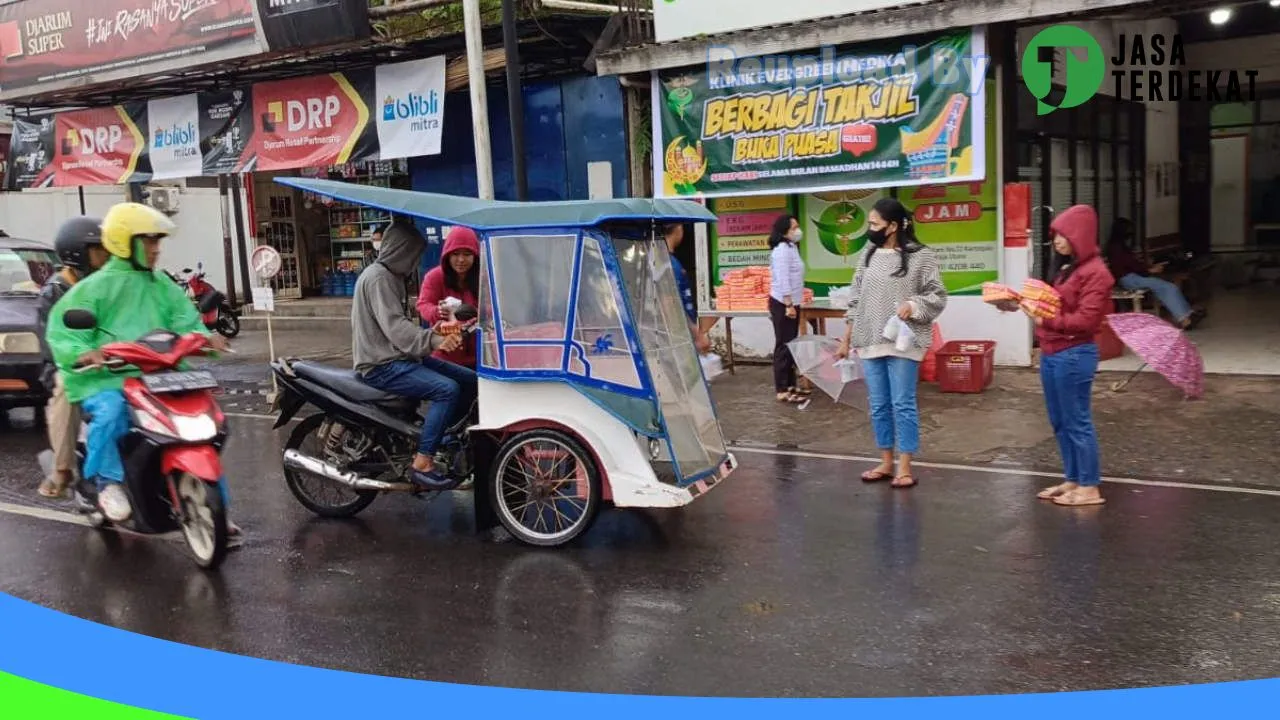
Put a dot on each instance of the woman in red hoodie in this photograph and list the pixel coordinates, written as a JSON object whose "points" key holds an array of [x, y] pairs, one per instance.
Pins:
{"points": [[458, 276], [1069, 355]]}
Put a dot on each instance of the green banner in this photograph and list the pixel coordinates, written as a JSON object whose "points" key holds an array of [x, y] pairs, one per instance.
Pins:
{"points": [[884, 114], [959, 221]]}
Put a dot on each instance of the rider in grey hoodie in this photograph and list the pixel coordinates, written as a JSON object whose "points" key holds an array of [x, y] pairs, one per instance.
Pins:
{"points": [[393, 354]]}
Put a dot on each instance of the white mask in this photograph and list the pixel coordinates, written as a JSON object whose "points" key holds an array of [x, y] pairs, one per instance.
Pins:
{"points": [[795, 235]]}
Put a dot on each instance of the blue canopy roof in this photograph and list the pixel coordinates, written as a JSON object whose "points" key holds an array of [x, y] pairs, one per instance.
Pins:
{"points": [[502, 215]]}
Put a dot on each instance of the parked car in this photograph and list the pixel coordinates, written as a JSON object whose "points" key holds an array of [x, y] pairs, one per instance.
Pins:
{"points": [[25, 265]]}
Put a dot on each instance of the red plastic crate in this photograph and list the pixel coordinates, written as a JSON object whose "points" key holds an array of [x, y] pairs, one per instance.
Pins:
{"points": [[966, 366]]}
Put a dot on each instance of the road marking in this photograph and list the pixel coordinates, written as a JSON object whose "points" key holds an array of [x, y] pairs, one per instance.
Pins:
{"points": [[43, 513], [1004, 470], [1011, 470]]}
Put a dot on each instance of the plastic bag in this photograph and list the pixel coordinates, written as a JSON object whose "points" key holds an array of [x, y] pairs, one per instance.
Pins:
{"points": [[711, 366], [929, 366]]}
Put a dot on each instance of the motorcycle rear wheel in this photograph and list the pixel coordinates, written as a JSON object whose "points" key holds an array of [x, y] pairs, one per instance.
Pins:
{"points": [[295, 479], [227, 324], [203, 519]]}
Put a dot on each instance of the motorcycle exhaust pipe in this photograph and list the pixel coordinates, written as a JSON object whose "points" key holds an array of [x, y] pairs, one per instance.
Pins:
{"points": [[295, 460]]}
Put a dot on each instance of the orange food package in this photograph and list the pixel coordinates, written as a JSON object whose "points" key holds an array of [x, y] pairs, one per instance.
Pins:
{"points": [[995, 293], [1041, 291], [449, 327]]}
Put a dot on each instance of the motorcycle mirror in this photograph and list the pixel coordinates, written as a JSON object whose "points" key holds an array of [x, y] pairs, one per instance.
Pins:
{"points": [[79, 320], [208, 303], [200, 265], [186, 270]]}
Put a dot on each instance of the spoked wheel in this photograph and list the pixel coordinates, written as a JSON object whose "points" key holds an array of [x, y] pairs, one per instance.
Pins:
{"points": [[228, 325], [204, 520], [546, 487], [322, 497]]}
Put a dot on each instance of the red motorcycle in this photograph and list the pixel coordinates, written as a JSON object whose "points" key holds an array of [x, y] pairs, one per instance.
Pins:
{"points": [[172, 453], [220, 317]]}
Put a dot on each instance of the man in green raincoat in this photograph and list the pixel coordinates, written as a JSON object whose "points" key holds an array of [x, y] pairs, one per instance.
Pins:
{"points": [[129, 297]]}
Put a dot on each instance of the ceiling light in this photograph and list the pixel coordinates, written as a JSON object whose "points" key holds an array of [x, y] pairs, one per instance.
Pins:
{"points": [[1220, 16], [1274, 3]]}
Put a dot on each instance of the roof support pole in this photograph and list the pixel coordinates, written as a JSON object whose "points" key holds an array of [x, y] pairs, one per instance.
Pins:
{"points": [[479, 98]]}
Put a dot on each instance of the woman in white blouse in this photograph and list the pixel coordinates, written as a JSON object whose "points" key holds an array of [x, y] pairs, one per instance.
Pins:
{"points": [[786, 290]]}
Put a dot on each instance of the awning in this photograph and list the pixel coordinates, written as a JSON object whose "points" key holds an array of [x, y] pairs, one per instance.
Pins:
{"points": [[915, 19]]}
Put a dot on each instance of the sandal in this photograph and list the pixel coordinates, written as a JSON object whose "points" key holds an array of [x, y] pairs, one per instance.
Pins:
{"points": [[1050, 493], [872, 476], [903, 482], [50, 489], [788, 397], [1075, 499], [802, 392]]}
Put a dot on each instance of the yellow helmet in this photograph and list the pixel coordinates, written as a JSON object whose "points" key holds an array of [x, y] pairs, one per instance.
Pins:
{"points": [[126, 221]]}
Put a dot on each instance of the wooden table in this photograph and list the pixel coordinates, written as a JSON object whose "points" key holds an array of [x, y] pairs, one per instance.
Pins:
{"points": [[708, 318], [817, 313]]}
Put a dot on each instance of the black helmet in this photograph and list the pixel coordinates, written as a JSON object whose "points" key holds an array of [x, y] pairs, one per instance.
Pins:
{"points": [[74, 239]]}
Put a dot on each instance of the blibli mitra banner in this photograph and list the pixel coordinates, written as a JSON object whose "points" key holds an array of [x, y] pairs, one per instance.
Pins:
{"points": [[391, 112], [894, 113]]}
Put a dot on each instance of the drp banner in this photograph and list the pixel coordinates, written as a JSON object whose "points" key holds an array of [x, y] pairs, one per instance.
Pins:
{"points": [[888, 114], [385, 113]]}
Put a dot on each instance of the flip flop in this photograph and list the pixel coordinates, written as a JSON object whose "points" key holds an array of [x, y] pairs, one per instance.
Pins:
{"points": [[1071, 499], [898, 485], [872, 476], [48, 489], [1050, 493]]}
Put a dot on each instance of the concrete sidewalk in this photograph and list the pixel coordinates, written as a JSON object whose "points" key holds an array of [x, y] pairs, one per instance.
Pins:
{"points": [[1148, 431]]}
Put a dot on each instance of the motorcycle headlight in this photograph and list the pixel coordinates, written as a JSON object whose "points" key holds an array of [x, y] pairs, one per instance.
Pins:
{"points": [[195, 428], [20, 342]]}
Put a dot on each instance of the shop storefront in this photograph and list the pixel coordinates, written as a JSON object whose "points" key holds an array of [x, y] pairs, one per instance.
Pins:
{"points": [[823, 135], [360, 126]]}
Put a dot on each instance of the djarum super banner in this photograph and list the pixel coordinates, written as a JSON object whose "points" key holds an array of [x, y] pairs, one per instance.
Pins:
{"points": [[394, 111]]}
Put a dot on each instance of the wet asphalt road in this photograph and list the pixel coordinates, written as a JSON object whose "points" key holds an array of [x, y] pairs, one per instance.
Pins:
{"points": [[792, 578]]}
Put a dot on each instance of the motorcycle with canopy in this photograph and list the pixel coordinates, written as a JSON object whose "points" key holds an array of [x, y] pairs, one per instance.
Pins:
{"points": [[591, 390]]}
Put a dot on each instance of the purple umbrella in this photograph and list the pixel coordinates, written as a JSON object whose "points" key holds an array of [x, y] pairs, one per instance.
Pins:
{"points": [[1163, 347]]}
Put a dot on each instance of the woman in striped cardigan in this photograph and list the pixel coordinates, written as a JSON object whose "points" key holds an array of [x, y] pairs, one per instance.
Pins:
{"points": [[895, 277]]}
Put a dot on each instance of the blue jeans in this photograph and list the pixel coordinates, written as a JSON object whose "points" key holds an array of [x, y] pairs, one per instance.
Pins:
{"points": [[108, 422], [450, 388], [891, 387], [1166, 292], [1067, 377]]}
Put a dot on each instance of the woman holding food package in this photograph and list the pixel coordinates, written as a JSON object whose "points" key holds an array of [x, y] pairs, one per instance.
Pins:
{"points": [[896, 296], [452, 286], [1069, 355]]}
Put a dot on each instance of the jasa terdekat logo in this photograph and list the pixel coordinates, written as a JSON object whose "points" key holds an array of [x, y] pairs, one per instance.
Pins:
{"points": [[420, 110]]}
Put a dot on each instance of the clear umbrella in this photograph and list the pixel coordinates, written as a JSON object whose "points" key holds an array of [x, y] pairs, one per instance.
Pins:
{"points": [[816, 359]]}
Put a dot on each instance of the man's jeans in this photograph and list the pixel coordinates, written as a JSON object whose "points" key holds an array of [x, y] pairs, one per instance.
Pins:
{"points": [[108, 422], [1067, 377], [891, 389], [450, 388], [1166, 292]]}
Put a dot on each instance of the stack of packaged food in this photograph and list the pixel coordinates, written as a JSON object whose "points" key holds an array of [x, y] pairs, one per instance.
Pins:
{"points": [[1039, 299], [996, 293], [748, 289]]}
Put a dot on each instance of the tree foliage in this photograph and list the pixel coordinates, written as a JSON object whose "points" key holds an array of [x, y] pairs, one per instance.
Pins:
{"points": [[434, 22]]}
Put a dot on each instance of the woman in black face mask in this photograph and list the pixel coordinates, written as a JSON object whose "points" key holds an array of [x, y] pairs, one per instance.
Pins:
{"points": [[897, 294]]}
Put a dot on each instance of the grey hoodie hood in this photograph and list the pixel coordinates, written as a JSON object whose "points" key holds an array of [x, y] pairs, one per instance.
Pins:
{"points": [[402, 248]]}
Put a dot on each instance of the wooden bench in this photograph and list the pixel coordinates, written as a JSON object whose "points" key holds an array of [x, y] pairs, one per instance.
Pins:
{"points": [[1136, 297]]}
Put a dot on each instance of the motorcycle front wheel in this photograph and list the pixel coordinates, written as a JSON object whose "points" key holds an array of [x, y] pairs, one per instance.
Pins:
{"points": [[204, 520], [227, 324]]}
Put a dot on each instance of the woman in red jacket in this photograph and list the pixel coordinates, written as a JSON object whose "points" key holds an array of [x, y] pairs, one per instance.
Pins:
{"points": [[1069, 355], [458, 276]]}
